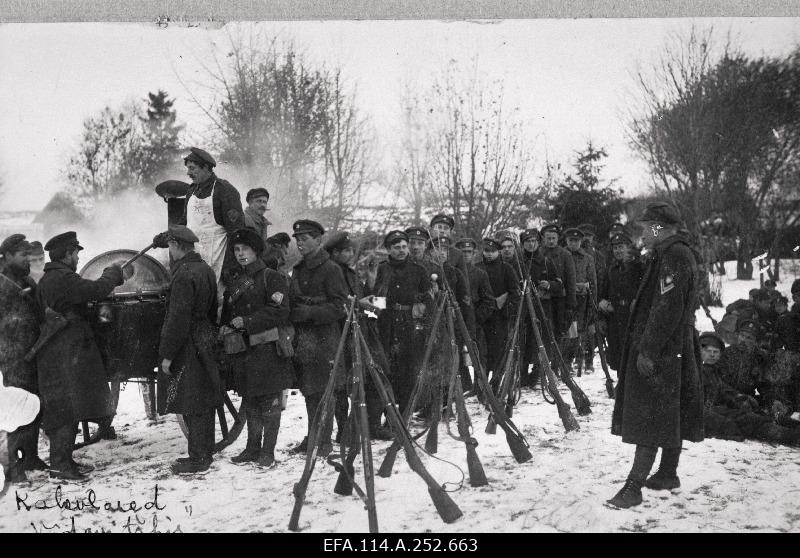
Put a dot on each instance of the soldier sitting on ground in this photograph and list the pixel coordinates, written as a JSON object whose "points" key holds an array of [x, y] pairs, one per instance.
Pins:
{"points": [[731, 415]]}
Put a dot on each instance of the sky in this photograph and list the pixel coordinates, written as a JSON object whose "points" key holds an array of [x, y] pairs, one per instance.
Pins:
{"points": [[570, 79]]}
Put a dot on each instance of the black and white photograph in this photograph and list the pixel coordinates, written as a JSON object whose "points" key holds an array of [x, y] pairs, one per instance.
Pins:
{"points": [[428, 275]]}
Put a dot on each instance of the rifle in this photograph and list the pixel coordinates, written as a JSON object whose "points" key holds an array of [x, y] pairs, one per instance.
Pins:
{"points": [[579, 399], [477, 477], [509, 370], [447, 509], [516, 441], [318, 424], [601, 348], [385, 470]]}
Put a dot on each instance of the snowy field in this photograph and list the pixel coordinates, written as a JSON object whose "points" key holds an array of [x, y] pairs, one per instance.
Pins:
{"points": [[726, 486]]}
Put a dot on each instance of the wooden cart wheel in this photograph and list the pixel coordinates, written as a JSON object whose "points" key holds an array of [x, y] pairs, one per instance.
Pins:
{"points": [[229, 422]]}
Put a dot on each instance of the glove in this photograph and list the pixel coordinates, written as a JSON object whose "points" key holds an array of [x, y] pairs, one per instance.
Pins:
{"points": [[160, 240], [645, 366], [602, 327], [114, 273], [417, 310], [606, 306]]}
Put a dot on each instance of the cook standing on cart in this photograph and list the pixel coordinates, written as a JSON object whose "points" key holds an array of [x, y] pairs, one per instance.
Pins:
{"points": [[212, 208]]}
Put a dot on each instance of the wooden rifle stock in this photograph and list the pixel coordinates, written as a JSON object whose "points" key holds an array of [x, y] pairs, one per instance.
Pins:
{"points": [[604, 363], [366, 444], [516, 441], [447, 509], [318, 425], [477, 476], [507, 381]]}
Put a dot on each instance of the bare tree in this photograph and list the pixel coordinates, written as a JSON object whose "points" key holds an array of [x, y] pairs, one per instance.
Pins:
{"points": [[717, 131], [348, 144], [481, 165]]}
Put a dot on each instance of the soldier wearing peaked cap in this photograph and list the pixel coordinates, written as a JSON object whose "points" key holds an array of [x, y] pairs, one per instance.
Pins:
{"points": [[505, 289], [19, 329], [585, 286], [276, 249], [659, 401], [483, 303], [563, 300], [255, 215], [189, 372], [256, 313], [72, 378], [616, 293], [442, 225], [36, 259], [406, 286], [601, 269], [543, 274], [318, 295], [212, 208]]}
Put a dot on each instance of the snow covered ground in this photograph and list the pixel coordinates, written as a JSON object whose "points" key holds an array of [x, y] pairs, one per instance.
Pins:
{"points": [[727, 486]]}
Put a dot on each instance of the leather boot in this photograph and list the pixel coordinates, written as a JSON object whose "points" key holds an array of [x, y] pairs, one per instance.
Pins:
{"points": [[630, 495], [272, 424], [663, 481], [255, 428]]}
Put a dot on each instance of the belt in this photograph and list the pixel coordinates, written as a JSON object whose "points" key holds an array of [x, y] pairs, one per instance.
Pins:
{"points": [[400, 307]]}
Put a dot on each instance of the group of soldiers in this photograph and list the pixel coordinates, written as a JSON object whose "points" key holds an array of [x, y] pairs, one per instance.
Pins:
{"points": [[280, 329]]}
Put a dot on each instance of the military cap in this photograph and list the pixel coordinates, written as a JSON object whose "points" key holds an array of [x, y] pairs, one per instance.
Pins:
{"points": [[795, 286], [753, 292], [393, 237], [442, 218], [339, 240], [174, 188], [181, 233], [661, 212], [782, 299], [36, 248], [770, 283], [491, 243], [587, 229], [200, 156], [573, 233], [256, 193], [762, 294], [621, 238], [466, 243], [279, 239], [417, 233], [249, 237], [505, 235], [748, 326], [64, 240], [552, 227], [529, 234], [711, 338], [307, 226], [14, 243]]}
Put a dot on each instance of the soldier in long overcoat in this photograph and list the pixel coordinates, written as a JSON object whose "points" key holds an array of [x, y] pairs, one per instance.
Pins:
{"points": [[318, 296], [585, 284], [189, 379], [543, 272], [73, 384], [563, 301], [19, 329], [659, 400], [506, 292], [257, 305], [483, 303], [406, 286]]}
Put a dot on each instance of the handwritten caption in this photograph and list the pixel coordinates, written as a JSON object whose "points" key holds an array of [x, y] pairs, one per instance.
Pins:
{"points": [[79, 513]]}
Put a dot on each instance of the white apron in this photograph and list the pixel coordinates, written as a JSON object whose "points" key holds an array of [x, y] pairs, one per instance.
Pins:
{"points": [[213, 237]]}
